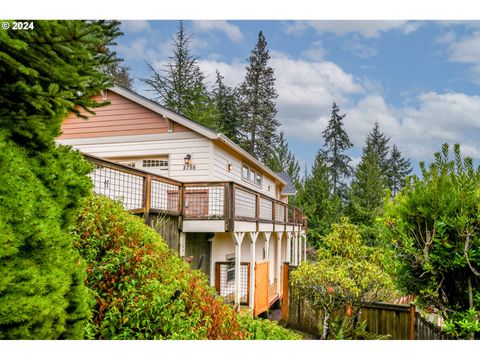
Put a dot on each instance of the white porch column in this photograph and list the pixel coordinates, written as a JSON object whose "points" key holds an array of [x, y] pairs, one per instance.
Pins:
{"points": [[237, 238], [304, 246], [295, 248], [279, 259], [299, 248], [289, 244], [253, 240], [267, 235]]}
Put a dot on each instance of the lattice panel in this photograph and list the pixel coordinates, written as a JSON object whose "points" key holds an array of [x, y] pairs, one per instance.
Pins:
{"points": [[226, 273], [118, 185]]}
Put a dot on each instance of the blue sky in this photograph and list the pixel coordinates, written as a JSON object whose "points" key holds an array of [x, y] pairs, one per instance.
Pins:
{"points": [[419, 79]]}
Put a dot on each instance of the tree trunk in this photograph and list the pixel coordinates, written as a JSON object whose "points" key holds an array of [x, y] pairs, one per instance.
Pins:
{"points": [[326, 324], [470, 299]]}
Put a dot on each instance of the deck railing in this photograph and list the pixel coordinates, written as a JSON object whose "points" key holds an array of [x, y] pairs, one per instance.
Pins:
{"points": [[141, 191]]}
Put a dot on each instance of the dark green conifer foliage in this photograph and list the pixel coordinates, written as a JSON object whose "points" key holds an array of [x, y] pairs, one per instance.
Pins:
{"points": [[45, 73], [377, 142], [119, 74], [367, 188], [226, 103], [320, 207], [336, 144], [181, 85], [399, 168], [257, 93], [281, 159]]}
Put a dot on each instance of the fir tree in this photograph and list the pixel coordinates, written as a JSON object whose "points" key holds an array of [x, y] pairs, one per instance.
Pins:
{"points": [[46, 72], [377, 143], [399, 168], [225, 100], [120, 74], [281, 159], [367, 188], [258, 111], [336, 143], [181, 86], [316, 200]]}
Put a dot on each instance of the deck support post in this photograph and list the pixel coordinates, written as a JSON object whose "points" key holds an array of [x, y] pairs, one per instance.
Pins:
{"points": [[253, 240], [304, 246], [279, 260], [289, 246], [267, 235], [237, 239]]}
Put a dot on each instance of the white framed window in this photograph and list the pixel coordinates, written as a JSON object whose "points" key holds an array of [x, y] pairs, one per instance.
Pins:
{"points": [[157, 163], [252, 176]]}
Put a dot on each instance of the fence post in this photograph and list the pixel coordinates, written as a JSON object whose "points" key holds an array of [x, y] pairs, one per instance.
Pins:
{"points": [[411, 334], [146, 193]]}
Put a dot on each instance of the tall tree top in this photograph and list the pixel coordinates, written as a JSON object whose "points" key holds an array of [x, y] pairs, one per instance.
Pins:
{"points": [[336, 143], [377, 142], [258, 110]]}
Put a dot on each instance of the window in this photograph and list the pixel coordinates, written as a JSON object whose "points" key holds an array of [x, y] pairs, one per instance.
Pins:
{"points": [[252, 176], [155, 163]]}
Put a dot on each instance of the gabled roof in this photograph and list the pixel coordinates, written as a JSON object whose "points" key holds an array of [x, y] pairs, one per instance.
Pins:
{"points": [[289, 189], [192, 125]]}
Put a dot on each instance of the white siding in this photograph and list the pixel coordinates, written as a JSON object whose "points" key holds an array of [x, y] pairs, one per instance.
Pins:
{"points": [[173, 145], [221, 173]]}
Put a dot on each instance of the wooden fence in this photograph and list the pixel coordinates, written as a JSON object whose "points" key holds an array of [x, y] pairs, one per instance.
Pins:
{"points": [[395, 322]]}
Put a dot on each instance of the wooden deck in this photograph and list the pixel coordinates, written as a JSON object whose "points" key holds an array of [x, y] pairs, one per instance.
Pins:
{"points": [[273, 294]]}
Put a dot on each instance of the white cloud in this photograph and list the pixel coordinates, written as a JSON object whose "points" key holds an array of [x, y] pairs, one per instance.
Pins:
{"points": [[366, 28], [133, 26], [231, 31], [466, 50]]}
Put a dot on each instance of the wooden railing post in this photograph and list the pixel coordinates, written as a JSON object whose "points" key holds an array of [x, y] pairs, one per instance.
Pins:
{"points": [[411, 333], [147, 181], [257, 208]]}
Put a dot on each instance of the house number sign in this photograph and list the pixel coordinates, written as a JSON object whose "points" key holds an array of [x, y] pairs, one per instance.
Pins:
{"points": [[189, 167]]}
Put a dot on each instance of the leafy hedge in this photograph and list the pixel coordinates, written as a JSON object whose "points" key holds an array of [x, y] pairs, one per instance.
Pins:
{"points": [[143, 290]]}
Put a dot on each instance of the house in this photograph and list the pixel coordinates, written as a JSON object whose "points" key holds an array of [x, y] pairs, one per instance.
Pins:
{"points": [[230, 212]]}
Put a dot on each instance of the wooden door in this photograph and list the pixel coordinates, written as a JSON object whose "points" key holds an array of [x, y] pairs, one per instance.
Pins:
{"points": [[197, 250], [261, 287]]}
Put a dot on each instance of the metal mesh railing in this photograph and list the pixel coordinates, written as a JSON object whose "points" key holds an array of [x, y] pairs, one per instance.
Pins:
{"points": [[245, 204], [164, 196], [203, 201], [266, 209], [279, 212], [118, 185], [225, 272]]}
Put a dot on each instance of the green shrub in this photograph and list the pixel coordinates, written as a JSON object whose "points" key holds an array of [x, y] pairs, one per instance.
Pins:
{"points": [[143, 290], [42, 290]]}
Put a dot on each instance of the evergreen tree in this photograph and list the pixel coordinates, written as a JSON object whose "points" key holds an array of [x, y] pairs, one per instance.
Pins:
{"points": [[377, 143], [120, 74], [367, 188], [46, 72], [320, 207], [258, 111], [336, 143], [281, 159], [399, 168], [225, 100], [181, 86]]}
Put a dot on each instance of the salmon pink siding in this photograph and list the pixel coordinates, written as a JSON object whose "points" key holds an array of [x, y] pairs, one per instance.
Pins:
{"points": [[121, 117]]}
